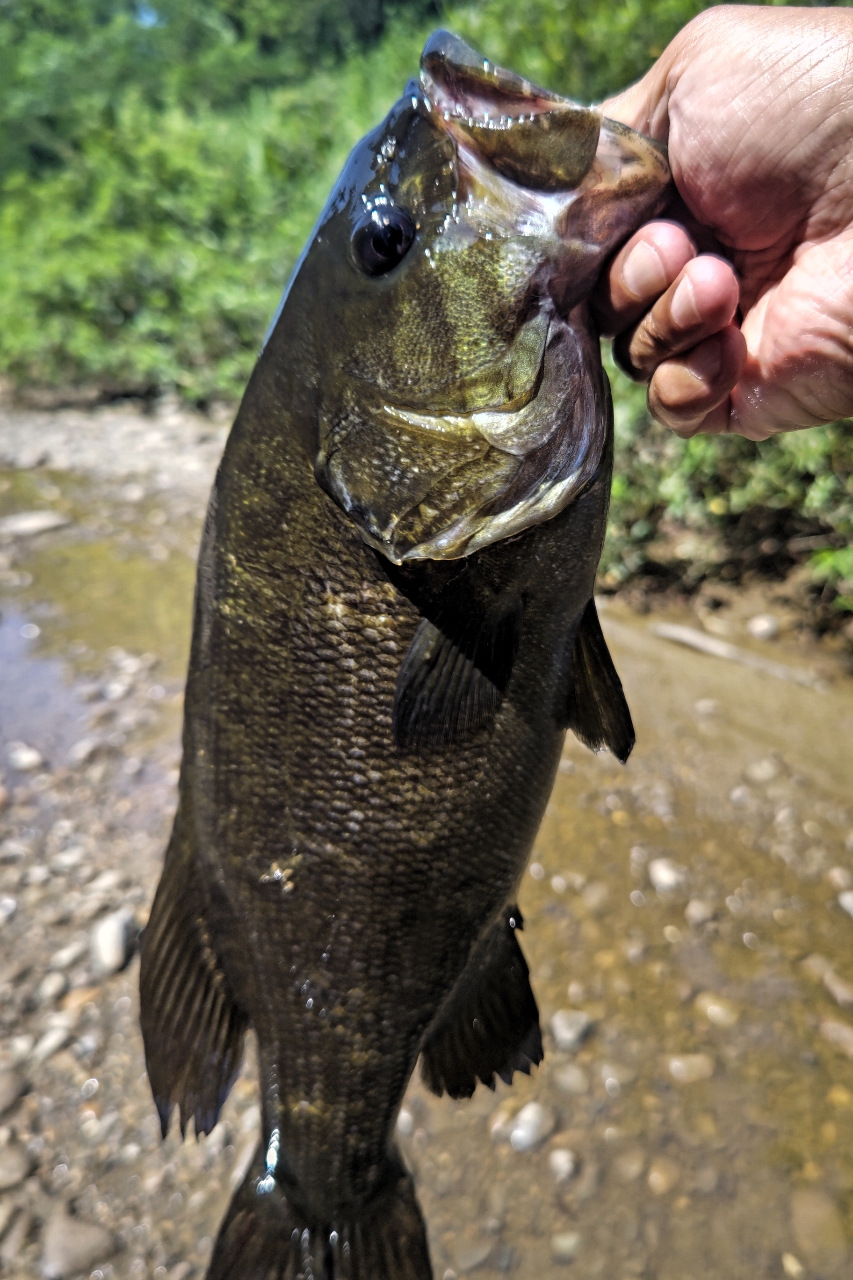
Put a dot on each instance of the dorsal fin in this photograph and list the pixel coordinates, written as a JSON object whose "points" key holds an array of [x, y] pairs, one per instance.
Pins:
{"points": [[596, 710]]}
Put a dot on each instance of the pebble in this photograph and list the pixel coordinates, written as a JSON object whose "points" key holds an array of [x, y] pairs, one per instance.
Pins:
{"points": [[471, 1254], [531, 1126], [71, 1246], [112, 941], [562, 1163], [689, 1068], [24, 758], [8, 907], [845, 901], [565, 1246], [25, 524], [663, 1175], [762, 770], [12, 1085], [792, 1266], [763, 626], [839, 1034], [840, 878], [83, 750], [55, 1038], [818, 1227], [571, 1079], [718, 1010], [51, 987], [15, 1238], [70, 954], [665, 875], [697, 912], [570, 1027], [629, 1164], [15, 1165]]}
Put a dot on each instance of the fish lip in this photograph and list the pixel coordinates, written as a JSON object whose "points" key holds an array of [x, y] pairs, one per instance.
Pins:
{"points": [[457, 81]]}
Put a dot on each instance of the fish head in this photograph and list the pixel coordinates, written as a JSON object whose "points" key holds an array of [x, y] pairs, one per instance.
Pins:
{"points": [[457, 396]]}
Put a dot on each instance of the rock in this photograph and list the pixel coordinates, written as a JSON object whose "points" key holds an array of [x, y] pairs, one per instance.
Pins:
{"points": [[71, 1246], [562, 1163], [571, 1079], [68, 859], [51, 987], [15, 1238], [531, 1126], [840, 878], [25, 524], [471, 1254], [8, 907], [614, 1075], [12, 1085], [718, 1010], [23, 758], [762, 771], [15, 1165], [818, 1228], [763, 626], [565, 1246], [629, 1164], [663, 1175], [83, 750], [570, 1027], [792, 1266], [697, 912], [665, 875], [845, 900], [839, 1034], [112, 941], [70, 954], [55, 1038], [691, 1067], [841, 991]]}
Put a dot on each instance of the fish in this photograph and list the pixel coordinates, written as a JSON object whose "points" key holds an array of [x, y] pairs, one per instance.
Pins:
{"points": [[394, 627]]}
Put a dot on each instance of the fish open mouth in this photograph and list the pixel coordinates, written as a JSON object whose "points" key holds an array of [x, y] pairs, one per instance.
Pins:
{"points": [[531, 136]]}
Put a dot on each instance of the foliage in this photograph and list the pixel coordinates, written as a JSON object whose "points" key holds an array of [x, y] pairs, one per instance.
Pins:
{"points": [[161, 165]]}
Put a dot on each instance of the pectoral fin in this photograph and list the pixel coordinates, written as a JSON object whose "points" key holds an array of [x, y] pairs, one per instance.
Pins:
{"points": [[490, 1024], [596, 710], [192, 1027]]}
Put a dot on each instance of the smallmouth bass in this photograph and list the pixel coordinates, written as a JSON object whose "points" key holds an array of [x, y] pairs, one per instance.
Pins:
{"points": [[394, 627]]}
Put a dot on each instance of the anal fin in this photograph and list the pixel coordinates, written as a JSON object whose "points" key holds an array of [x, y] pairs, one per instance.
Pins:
{"points": [[490, 1024], [596, 709], [192, 1027]]}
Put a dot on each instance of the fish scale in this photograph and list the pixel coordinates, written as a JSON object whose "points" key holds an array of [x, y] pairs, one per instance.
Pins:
{"points": [[375, 709]]}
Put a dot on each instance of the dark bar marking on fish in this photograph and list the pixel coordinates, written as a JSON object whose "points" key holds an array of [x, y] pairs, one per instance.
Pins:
{"points": [[597, 712], [265, 1237], [192, 1027], [490, 1023]]}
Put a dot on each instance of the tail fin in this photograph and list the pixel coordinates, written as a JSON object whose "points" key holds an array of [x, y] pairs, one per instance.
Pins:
{"points": [[266, 1237]]}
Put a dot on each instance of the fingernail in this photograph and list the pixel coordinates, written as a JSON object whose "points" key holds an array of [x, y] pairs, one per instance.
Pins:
{"points": [[704, 363], [683, 305], [642, 272]]}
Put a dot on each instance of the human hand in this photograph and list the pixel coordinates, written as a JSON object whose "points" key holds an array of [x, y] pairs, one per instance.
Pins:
{"points": [[756, 106]]}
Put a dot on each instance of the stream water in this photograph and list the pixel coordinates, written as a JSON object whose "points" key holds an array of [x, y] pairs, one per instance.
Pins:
{"points": [[686, 924]]}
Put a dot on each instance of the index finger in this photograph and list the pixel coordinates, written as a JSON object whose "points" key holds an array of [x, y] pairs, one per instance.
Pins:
{"points": [[642, 270]]}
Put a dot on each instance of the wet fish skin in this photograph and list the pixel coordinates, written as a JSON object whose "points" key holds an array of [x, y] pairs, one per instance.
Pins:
{"points": [[371, 735]]}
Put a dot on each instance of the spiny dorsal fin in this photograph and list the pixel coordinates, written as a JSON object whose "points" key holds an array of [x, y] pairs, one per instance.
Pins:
{"points": [[596, 710], [490, 1024]]}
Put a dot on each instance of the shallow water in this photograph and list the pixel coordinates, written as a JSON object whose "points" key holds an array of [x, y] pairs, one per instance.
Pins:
{"points": [[687, 904]]}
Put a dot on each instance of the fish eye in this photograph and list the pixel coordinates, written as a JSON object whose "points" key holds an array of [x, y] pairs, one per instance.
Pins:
{"points": [[380, 240]]}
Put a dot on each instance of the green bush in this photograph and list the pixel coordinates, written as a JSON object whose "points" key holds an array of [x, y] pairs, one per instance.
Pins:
{"points": [[161, 165]]}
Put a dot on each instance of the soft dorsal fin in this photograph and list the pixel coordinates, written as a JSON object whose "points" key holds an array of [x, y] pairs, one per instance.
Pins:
{"points": [[449, 687], [596, 710]]}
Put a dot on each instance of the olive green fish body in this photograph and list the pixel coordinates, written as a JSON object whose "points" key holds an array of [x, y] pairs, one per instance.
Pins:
{"points": [[393, 630]]}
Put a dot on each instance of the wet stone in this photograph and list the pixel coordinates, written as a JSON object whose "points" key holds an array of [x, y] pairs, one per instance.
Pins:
{"points": [[51, 987], [698, 912], [562, 1163], [665, 875], [818, 1227], [71, 1246], [570, 1027], [718, 1010], [531, 1126], [689, 1068], [15, 1165], [12, 1085], [112, 941], [663, 1175], [565, 1246]]}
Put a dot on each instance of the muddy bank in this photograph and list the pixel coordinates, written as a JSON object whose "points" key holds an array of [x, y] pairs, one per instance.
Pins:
{"points": [[687, 922]]}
